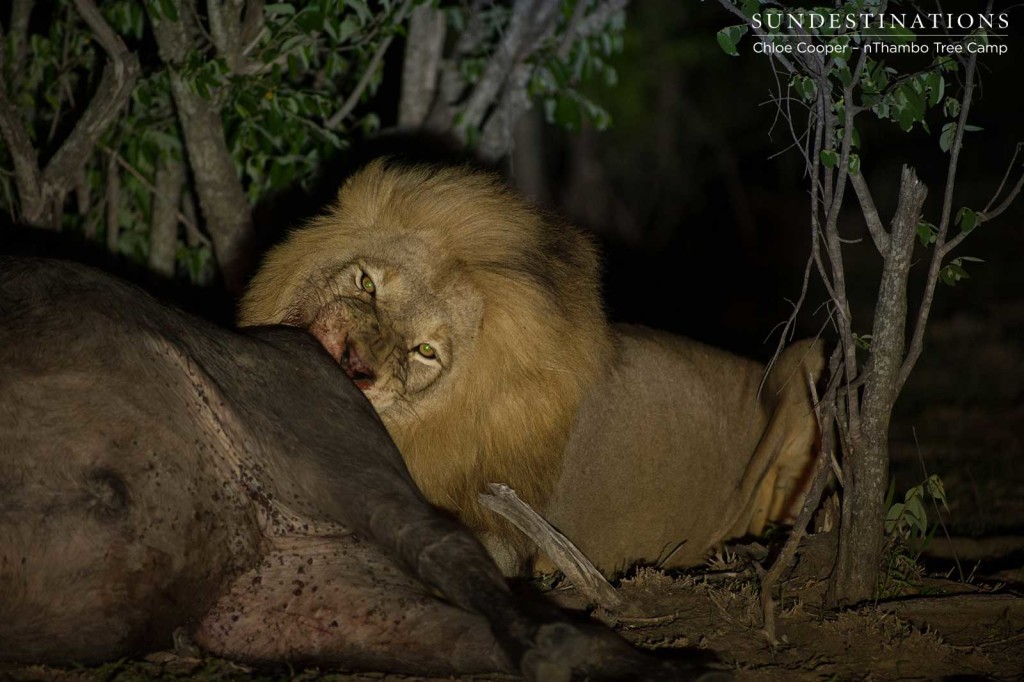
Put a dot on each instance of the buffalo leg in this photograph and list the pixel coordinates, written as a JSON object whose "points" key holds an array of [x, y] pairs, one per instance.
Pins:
{"points": [[340, 601]]}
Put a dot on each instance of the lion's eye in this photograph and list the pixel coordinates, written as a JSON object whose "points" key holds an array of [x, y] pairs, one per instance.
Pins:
{"points": [[426, 350], [366, 284]]}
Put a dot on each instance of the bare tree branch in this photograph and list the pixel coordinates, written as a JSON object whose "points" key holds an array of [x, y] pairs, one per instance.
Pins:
{"points": [[235, 29], [938, 252], [115, 88], [867, 471], [790, 323], [879, 235], [424, 48], [225, 17], [497, 134], [371, 70], [594, 22], [163, 232], [816, 190], [21, 14], [532, 20], [193, 235], [832, 241], [514, 100], [569, 38], [760, 33], [83, 198], [991, 214], [452, 82], [252, 24], [1006, 176], [986, 216], [144, 181], [27, 176], [113, 212], [819, 476], [222, 198], [42, 190]]}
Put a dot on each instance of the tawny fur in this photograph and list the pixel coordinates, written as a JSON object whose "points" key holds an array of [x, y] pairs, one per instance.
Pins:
{"points": [[640, 446], [539, 343]]}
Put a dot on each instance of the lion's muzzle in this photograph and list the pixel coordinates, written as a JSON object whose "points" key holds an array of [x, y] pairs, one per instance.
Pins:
{"points": [[357, 369]]}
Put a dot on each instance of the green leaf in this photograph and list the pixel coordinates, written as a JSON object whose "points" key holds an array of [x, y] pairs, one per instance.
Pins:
{"points": [[951, 107], [892, 517], [199, 85], [927, 233], [728, 38], [913, 106], [310, 20], [841, 57], [953, 272], [456, 17], [805, 87], [370, 123], [854, 164], [829, 157], [567, 113], [169, 10], [164, 140], [899, 35], [936, 489], [946, 138], [958, 271], [966, 219], [279, 9], [914, 512], [347, 29], [936, 87], [611, 77], [361, 8]]}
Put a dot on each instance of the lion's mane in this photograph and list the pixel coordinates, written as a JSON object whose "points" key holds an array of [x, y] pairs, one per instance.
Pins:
{"points": [[542, 341]]}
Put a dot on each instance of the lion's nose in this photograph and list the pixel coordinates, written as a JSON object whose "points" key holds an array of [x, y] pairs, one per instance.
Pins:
{"points": [[330, 339], [358, 369]]}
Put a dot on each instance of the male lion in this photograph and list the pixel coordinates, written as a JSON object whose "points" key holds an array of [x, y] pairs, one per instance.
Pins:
{"points": [[474, 325]]}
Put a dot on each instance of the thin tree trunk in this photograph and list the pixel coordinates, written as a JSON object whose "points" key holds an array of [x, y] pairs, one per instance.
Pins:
{"points": [[528, 159], [421, 68], [222, 198], [867, 466], [163, 233], [113, 204]]}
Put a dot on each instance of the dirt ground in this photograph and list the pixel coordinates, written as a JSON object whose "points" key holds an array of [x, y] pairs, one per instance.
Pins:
{"points": [[955, 631], [961, 616]]}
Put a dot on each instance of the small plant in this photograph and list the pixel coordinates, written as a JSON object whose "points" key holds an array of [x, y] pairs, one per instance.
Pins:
{"points": [[830, 82], [907, 533]]}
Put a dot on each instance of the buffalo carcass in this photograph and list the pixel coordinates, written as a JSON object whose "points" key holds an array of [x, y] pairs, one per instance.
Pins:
{"points": [[158, 472]]}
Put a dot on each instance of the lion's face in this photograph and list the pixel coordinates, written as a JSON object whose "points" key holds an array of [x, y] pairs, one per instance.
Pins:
{"points": [[472, 322], [398, 321]]}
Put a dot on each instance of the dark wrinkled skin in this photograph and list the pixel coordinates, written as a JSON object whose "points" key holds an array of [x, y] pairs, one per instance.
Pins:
{"points": [[157, 472]]}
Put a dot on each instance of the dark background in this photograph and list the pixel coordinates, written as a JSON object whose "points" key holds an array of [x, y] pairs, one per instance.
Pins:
{"points": [[704, 220]]}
